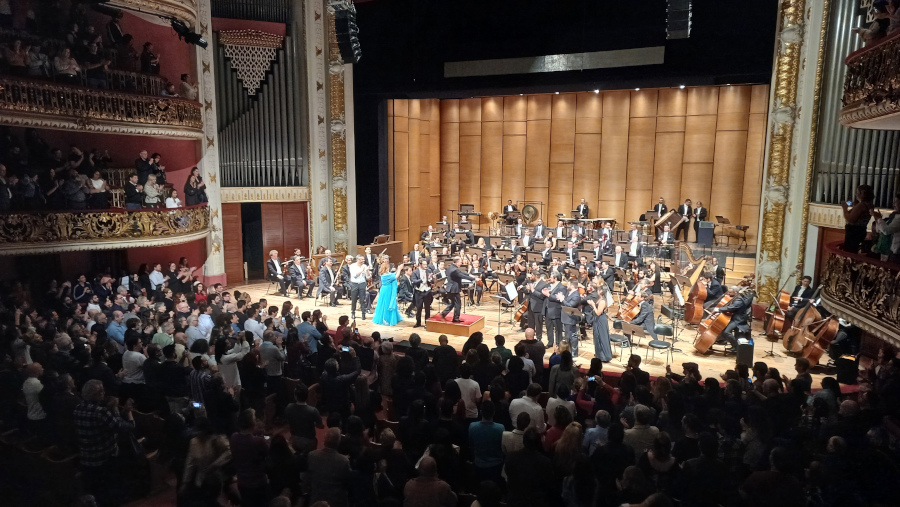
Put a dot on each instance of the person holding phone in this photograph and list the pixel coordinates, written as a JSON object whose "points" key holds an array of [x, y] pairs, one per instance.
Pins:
{"points": [[857, 213]]}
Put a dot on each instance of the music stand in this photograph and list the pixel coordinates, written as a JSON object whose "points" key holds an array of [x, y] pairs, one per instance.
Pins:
{"points": [[505, 279], [381, 239], [632, 331], [534, 257], [462, 235], [560, 256]]}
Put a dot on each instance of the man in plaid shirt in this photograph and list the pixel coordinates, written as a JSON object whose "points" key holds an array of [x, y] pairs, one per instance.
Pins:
{"points": [[97, 427]]}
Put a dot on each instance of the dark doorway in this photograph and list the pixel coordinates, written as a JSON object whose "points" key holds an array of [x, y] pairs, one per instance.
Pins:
{"points": [[251, 225]]}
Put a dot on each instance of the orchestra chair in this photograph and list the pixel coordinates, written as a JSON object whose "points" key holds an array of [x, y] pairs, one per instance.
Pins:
{"points": [[654, 345], [632, 332], [272, 281]]}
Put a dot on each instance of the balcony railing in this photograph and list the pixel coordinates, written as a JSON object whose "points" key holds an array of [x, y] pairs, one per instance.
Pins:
{"points": [[872, 86], [863, 291], [51, 105], [101, 229]]}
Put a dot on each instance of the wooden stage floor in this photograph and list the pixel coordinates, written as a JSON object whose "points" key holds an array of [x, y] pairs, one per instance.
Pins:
{"points": [[711, 365]]}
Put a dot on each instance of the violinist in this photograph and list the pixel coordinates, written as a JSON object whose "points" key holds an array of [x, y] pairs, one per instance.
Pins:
{"points": [[421, 279], [571, 253], [645, 318], [477, 273], [800, 297], [740, 308], [714, 290], [300, 277], [328, 283], [514, 246], [608, 275], [370, 258]]}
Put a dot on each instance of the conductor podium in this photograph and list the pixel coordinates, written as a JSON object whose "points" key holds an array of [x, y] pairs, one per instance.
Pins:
{"points": [[469, 324]]}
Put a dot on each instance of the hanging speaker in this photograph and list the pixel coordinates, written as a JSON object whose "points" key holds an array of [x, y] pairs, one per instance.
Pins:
{"points": [[678, 19], [347, 32]]}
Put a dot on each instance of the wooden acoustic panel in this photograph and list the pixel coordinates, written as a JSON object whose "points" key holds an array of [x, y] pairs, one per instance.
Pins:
{"points": [[413, 165], [513, 169], [233, 243], [728, 174], [295, 221], [667, 168], [672, 102], [586, 177], [390, 146], [273, 229], [641, 136]]}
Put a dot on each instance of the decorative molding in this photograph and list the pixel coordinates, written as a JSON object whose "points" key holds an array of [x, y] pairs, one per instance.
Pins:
{"points": [[338, 129], [265, 194], [185, 10], [830, 215], [864, 293], [83, 246], [252, 53], [34, 120], [317, 99], [862, 115], [82, 230]]}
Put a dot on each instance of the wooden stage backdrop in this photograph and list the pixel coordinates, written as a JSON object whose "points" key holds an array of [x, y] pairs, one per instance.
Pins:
{"points": [[620, 150]]}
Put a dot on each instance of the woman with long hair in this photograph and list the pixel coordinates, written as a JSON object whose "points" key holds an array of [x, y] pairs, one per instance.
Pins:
{"points": [[563, 373], [194, 188], [387, 312], [567, 449], [857, 213], [600, 322], [658, 464]]}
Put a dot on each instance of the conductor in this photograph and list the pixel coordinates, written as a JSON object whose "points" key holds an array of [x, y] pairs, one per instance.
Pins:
{"points": [[454, 279]]}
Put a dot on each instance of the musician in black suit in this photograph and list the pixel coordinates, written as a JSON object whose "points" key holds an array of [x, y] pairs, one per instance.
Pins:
{"points": [[509, 207], [620, 258], [582, 209], [455, 276], [570, 299], [327, 277], [552, 308], [665, 239], [606, 247], [800, 297], [299, 276], [539, 230], [275, 273], [429, 236], [686, 211], [714, 289], [515, 247], [700, 214], [607, 273], [645, 318], [370, 258], [571, 253], [597, 250], [718, 270], [740, 307], [535, 291], [520, 226], [416, 254], [661, 207], [470, 237], [545, 253], [527, 241], [405, 288], [421, 280]]}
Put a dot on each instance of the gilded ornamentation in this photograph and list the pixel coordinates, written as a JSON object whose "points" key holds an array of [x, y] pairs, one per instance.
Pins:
{"points": [[211, 177], [86, 107], [182, 9], [56, 227], [338, 128], [252, 53], [324, 217], [866, 294], [340, 209], [265, 194], [340, 246]]}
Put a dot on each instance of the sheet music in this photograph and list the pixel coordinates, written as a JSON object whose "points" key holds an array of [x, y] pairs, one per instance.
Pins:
{"points": [[511, 292]]}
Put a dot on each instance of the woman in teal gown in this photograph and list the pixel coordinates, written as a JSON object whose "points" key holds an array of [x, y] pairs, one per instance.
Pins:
{"points": [[386, 311]]}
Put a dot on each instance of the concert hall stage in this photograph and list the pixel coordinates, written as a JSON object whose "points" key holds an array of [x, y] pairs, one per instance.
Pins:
{"points": [[439, 325], [711, 365]]}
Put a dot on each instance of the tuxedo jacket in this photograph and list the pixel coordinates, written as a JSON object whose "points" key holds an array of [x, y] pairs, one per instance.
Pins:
{"points": [[633, 234], [572, 300], [454, 279], [370, 260], [803, 294], [536, 297], [583, 210], [509, 207], [701, 215], [538, 231], [552, 307], [416, 278], [622, 260], [530, 244], [299, 272], [272, 269], [608, 275], [326, 281], [660, 208], [685, 211], [415, 260], [666, 237]]}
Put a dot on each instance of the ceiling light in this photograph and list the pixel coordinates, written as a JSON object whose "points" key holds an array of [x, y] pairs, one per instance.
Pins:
{"points": [[521, 94], [682, 87], [637, 89], [556, 93], [596, 91]]}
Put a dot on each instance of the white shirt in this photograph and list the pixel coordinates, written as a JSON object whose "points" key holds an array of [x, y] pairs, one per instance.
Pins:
{"points": [[357, 273], [205, 323], [32, 388], [132, 363], [228, 367], [552, 403], [471, 395], [534, 410], [254, 327], [173, 202], [277, 266], [157, 279]]}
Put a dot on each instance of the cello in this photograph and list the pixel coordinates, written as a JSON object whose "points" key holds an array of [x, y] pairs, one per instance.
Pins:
{"points": [[693, 308], [710, 328], [796, 338], [823, 334]]}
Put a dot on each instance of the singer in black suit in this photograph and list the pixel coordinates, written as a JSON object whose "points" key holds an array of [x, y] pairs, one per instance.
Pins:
{"points": [[553, 309], [536, 298], [453, 285], [583, 209], [421, 277], [686, 211]]}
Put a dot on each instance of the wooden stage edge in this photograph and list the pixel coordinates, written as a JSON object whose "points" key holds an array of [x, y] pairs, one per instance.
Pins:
{"points": [[439, 326], [711, 365]]}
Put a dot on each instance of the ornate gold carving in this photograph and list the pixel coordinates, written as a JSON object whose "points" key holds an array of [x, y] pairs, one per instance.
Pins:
{"points": [[324, 218], [58, 227], [813, 134], [863, 115], [265, 194], [786, 74], [250, 38], [872, 74], [338, 128], [183, 9], [340, 209], [866, 294], [340, 246], [86, 106]]}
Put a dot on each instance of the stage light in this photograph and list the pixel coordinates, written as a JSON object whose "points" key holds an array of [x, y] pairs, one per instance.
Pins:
{"points": [[556, 93], [596, 91], [682, 87], [637, 89], [188, 35]]}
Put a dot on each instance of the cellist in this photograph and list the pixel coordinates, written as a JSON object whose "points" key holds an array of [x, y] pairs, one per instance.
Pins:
{"points": [[645, 318], [740, 308], [714, 290], [800, 297]]}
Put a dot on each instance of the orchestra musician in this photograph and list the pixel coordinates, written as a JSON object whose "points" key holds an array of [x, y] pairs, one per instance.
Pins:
{"points": [[620, 259], [421, 280], [597, 250], [718, 270], [514, 247], [527, 240], [359, 274], [444, 221], [536, 298], [582, 209], [539, 230], [686, 211], [327, 285], [570, 299], [430, 237], [606, 230], [520, 226], [301, 278], [740, 308], [545, 253], [645, 318], [470, 238], [661, 207], [405, 288], [574, 236], [571, 253], [600, 324], [714, 290], [455, 276], [800, 297], [322, 261], [480, 243], [415, 254], [433, 264], [665, 239], [606, 247], [509, 207], [560, 231], [371, 259], [634, 240], [552, 308], [477, 273], [275, 274], [608, 274], [700, 214]]}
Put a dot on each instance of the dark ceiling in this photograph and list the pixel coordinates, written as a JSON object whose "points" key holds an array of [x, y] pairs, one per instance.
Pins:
{"points": [[405, 44]]}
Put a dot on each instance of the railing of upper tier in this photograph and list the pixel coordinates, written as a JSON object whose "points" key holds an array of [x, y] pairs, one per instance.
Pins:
{"points": [[101, 225], [863, 291], [86, 104], [873, 72]]}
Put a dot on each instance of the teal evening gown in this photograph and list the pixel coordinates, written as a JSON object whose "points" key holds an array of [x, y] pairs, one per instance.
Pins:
{"points": [[386, 311]]}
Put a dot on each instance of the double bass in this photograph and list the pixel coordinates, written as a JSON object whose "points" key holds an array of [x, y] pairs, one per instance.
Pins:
{"points": [[630, 308], [693, 307], [776, 316], [823, 334], [710, 328], [796, 338]]}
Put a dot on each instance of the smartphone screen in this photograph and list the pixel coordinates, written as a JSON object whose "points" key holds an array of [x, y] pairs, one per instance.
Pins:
{"points": [[849, 203], [345, 349], [197, 404]]}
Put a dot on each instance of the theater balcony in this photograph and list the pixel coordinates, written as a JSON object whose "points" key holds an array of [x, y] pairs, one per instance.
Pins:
{"points": [[871, 97], [40, 104], [69, 231], [864, 291]]}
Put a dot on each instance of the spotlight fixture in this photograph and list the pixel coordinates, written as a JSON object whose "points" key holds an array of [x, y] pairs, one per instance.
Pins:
{"points": [[596, 91], [556, 93], [682, 87], [186, 34], [637, 89]]}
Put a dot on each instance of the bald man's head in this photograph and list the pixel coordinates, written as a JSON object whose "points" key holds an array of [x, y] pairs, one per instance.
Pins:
{"points": [[529, 334]]}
